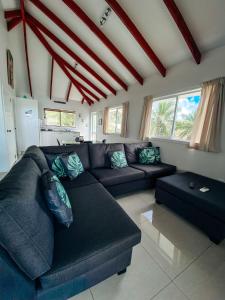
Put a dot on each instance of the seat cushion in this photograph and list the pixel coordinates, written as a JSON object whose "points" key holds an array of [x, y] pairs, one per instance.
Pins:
{"points": [[85, 178], [38, 156], [131, 151], [80, 149], [99, 154], [211, 202], [110, 177], [155, 171], [93, 239], [26, 226]]}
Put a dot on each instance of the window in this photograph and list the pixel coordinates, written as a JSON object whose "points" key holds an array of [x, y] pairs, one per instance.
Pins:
{"points": [[173, 117], [62, 118], [115, 120]]}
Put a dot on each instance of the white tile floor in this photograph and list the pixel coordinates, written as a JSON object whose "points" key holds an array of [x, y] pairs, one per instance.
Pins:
{"points": [[175, 261]]}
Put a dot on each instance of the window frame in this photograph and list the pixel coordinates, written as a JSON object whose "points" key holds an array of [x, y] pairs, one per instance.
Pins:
{"points": [[171, 138], [60, 118], [117, 108]]}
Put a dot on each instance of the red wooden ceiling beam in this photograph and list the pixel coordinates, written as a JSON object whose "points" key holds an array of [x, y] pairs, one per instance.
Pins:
{"points": [[78, 41], [57, 59], [137, 35], [68, 91], [82, 15], [25, 44], [182, 26], [13, 23], [70, 53], [71, 68], [12, 13], [51, 79]]}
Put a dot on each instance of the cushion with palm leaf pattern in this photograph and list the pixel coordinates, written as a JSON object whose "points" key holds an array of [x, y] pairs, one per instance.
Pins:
{"points": [[55, 164], [57, 199], [149, 156], [72, 165], [118, 159]]}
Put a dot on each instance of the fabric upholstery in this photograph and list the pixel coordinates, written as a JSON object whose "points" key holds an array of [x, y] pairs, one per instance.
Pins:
{"points": [[146, 118], [56, 165], [56, 198], [85, 178], [72, 165], [211, 202], [110, 177], [26, 229], [38, 156], [155, 171], [93, 239], [131, 151], [99, 154], [80, 149], [118, 159]]}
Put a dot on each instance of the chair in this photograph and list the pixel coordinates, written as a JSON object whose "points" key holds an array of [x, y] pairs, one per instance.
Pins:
{"points": [[59, 144]]}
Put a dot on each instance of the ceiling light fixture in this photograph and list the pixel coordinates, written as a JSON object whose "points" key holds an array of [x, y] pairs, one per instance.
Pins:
{"points": [[105, 16]]}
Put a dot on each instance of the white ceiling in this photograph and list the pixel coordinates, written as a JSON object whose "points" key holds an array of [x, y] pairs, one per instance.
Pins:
{"points": [[205, 19]]}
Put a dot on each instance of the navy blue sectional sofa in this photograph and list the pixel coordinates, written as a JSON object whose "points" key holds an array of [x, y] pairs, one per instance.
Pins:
{"points": [[93, 248]]}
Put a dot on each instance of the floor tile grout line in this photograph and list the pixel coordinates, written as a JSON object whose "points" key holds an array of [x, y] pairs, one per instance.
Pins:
{"points": [[182, 292], [193, 261], [166, 286], [91, 294]]}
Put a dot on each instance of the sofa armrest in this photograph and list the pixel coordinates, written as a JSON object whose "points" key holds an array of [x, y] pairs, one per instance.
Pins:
{"points": [[13, 283]]}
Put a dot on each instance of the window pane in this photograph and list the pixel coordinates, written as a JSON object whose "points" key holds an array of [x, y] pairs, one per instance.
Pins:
{"points": [[67, 119], [52, 118], [119, 120], [186, 112], [162, 117], [112, 120]]}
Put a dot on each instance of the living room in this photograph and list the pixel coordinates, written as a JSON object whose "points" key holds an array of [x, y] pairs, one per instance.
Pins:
{"points": [[112, 110]]}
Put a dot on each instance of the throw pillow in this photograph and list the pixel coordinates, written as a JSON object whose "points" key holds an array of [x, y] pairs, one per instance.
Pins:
{"points": [[72, 165], [57, 199], [55, 164], [149, 156], [118, 160]]}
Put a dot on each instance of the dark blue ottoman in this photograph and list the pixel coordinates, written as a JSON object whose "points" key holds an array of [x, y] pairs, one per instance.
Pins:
{"points": [[206, 210]]}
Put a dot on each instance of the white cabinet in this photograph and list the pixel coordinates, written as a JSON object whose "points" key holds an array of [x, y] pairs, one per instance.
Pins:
{"points": [[49, 138]]}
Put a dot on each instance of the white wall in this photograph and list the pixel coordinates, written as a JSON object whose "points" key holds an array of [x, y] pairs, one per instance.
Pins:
{"points": [[184, 76]]}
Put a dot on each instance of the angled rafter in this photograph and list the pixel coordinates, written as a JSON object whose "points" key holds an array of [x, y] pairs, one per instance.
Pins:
{"points": [[137, 35], [25, 44], [13, 23], [78, 41], [91, 25], [51, 79], [12, 13], [58, 60], [181, 24], [70, 53], [68, 91]]}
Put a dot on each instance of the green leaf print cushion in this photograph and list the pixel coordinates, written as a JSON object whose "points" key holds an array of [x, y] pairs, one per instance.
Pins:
{"points": [[72, 165], [57, 199], [55, 164], [118, 159], [149, 156]]}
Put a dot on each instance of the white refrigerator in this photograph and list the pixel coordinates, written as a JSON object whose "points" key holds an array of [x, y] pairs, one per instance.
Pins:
{"points": [[27, 124]]}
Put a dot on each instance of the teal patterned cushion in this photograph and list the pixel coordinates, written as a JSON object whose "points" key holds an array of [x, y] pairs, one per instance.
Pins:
{"points": [[118, 160], [57, 198], [72, 165], [55, 164], [149, 156]]}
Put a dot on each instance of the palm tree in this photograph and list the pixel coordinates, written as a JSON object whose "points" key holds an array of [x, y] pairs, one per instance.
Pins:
{"points": [[162, 118], [184, 127]]}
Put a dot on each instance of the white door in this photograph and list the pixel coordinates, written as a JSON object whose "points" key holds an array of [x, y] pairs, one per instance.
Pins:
{"points": [[27, 123], [94, 126], [10, 130]]}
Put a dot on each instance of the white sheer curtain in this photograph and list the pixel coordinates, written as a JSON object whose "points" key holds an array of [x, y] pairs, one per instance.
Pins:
{"points": [[206, 133], [105, 120], [146, 118]]}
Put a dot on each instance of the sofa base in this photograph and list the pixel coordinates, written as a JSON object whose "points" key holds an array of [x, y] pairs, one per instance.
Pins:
{"points": [[132, 186], [214, 228], [87, 280]]}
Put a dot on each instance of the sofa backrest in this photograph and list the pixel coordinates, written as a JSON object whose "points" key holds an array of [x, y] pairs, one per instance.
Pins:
{"points": [[26, 225], [80, 149], [38, 156], [99, 154], [131, 151]]}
